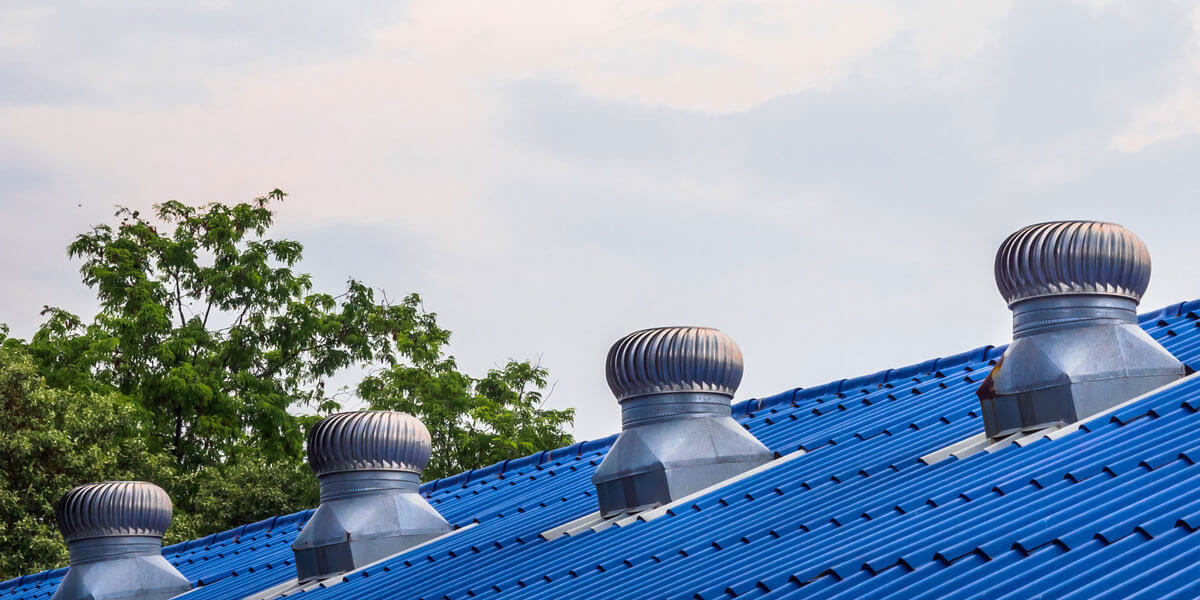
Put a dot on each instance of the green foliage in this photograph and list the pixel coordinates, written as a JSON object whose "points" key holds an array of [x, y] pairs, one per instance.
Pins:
{"points": [[53, 440], [220, 497], [472, 422], [209, 361], [204, 322]]}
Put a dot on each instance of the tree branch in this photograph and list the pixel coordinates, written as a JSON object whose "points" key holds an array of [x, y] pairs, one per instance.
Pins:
{"points": [[241, 316], [178, 298], [208, 309], [328, 343]]}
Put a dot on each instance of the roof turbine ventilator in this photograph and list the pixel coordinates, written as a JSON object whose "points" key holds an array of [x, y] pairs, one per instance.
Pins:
{"points": [[114, 534], [674, 385], [1073, 287], [369, 464]]}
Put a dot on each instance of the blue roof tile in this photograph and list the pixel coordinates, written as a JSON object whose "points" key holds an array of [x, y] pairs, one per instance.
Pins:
{"points": [[1106, 511]]}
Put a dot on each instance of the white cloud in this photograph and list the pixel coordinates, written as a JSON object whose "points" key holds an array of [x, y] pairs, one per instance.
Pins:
{"points": [[825, 180], [1175, 115], [1171, 118], [712, 56]]}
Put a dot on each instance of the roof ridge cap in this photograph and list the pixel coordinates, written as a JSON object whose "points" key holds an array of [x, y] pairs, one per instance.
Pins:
{"points": [[505, 466], [1177, 309], [20, 580], [932, 365]]}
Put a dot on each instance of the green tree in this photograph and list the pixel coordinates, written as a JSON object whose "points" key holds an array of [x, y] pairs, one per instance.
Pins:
{"points": [[221, 352], [251, 488], [205, 324], [472, 422], [53, 440]]}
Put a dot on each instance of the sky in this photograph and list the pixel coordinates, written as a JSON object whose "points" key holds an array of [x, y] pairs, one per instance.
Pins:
{"points": [[827, 182]]}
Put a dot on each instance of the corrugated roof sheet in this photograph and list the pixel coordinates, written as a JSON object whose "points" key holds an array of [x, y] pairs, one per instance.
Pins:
{"points": [[1108, 510]]}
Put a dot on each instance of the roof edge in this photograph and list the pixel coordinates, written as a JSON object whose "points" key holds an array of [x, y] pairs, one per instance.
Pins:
{"points": [[743, 408]]}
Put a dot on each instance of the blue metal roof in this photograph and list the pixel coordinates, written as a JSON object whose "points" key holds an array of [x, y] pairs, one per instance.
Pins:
{"points": [[1106, 511]]}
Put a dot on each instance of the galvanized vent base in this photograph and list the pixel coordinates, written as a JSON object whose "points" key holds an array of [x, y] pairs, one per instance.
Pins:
{"points": [[364, 516], [141, 572], [1063, 375], [1077, 350], [677, 437], [654, 464], [325, 561]]}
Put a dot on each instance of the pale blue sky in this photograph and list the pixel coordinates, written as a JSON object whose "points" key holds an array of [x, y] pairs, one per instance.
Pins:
{"points": [[825, 181]]}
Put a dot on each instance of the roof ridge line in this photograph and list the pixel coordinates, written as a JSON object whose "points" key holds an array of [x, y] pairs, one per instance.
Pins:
{"points": [[505, 466], [20, 580], [751, 405], [741, 408], [738, 408], [265, 525], [986, 352], [932, 365], [1177, 309]]}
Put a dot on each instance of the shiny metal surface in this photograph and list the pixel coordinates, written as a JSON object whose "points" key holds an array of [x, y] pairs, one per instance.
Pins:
{"points": [[674, 385], [113, 508], [674, 359], [1072, 257], [369, 464], [380, 439], [1052, 313], [1073, 287], [644, 410], [114, 534]]}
